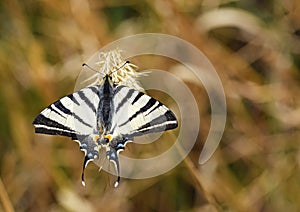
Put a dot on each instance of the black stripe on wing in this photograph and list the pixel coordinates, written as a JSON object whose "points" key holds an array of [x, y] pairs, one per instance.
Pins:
{"points": [[118, 88], [156, 107], [86, 100], [143, 109], [124, 100], [167, 121], [72, 97], [62, 108], [43, 130], [148, 105], [137, 97], [45, 125], [157, 124]]}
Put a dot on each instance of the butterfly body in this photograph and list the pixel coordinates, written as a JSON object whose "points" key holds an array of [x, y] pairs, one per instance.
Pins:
{"points": [[106, 105], [107, 116]]}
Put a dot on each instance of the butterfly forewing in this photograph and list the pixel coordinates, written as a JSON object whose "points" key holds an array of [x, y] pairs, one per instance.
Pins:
{"points": [[137, 114], [71, 115]]}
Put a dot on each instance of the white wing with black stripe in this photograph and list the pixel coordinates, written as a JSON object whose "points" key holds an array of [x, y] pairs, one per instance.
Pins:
{"points": [[137, 114], [72, 115]]}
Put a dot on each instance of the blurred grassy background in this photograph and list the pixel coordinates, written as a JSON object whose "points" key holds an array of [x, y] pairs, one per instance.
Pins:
{"points": [[254, 46]]}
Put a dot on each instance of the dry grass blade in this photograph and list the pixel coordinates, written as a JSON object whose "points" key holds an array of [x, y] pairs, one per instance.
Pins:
{"points": [[6, 203]]}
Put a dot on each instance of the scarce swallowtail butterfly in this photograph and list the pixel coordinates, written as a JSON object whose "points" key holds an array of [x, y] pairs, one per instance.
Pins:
{"points": [[106, 115]]}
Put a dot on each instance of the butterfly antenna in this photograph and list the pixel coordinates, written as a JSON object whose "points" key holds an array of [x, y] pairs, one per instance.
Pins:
{"points": [[84, 64], [127, 62]]}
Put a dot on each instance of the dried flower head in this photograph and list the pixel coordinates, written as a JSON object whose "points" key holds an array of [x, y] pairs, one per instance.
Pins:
{"points": [[121, 71]]}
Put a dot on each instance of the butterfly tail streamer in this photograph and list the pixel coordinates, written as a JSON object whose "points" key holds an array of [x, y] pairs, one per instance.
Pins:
{"points": [[85, 163], [112, 156], [89, 147], [112, 153]]}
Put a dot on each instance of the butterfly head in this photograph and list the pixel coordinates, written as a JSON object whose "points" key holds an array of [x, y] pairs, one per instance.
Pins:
{"points": [[109, 79]]}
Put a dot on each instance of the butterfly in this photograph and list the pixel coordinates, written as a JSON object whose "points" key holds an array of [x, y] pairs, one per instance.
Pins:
{"points": [[107, 115]]}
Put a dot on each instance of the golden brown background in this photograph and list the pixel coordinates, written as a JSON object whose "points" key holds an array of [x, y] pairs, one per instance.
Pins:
{"points": [[255, 48]]}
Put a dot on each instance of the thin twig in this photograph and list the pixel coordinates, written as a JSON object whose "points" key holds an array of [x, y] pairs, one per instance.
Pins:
{"points": [[5, 199]]}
